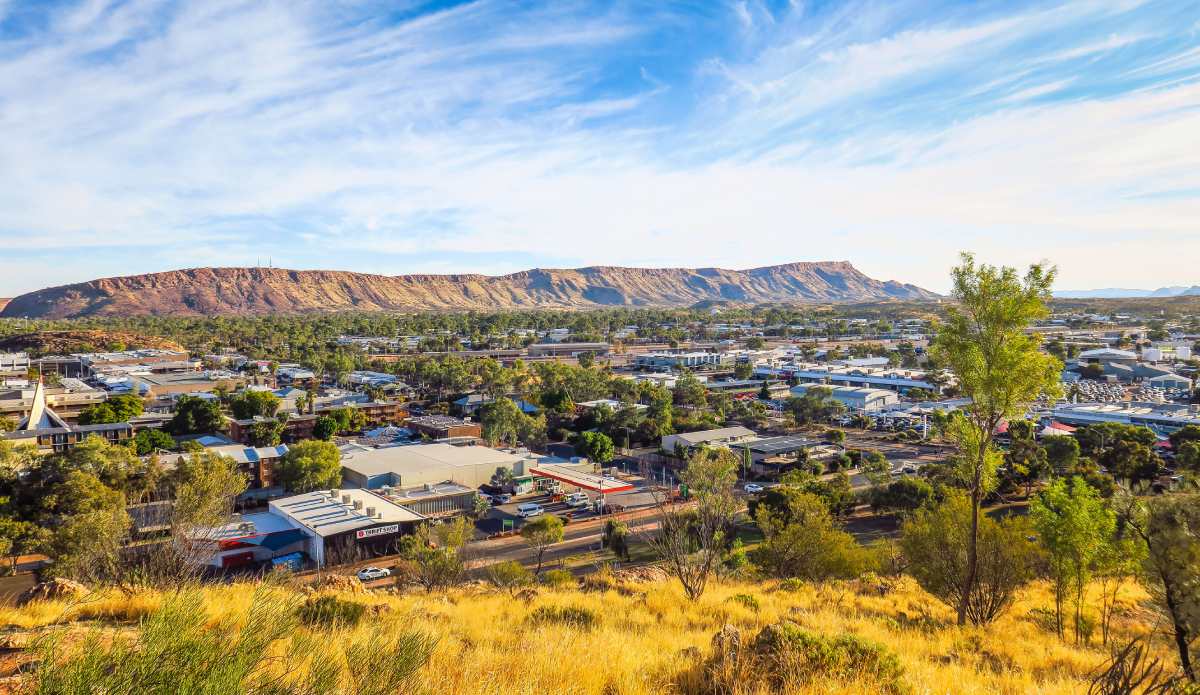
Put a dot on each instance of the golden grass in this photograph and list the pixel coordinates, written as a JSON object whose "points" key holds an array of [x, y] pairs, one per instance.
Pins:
{"points": [[643, 643]]}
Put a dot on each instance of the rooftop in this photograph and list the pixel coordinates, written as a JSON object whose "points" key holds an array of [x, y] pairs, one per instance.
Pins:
{"points": [[419, 457], [328, 515]]}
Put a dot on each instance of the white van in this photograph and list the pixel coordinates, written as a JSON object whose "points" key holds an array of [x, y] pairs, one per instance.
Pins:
{"points": [[526, 510], [578, 499]]}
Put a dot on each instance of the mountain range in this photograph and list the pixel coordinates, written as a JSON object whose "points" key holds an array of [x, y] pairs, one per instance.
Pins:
{"points": [[1125, 293], [250, 291]]}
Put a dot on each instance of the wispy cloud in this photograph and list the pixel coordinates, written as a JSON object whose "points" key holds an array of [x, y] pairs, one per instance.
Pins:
{"points": [[141, 135]]}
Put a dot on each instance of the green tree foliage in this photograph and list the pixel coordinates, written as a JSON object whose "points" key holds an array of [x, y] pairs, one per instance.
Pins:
{"points": [[1062, 453], [436, 552], [541, 533], [1000, 368], [801, 540], [692, 540], [149, 440], [504, 423], [249, 404], [119, 408], [92, 528], [310, 465], [596, 446], [906, 494], [935, 541], [510, 576], [194, 415], [816, 405], [1026, 462], [1075, 527], [1169, 528], [324, 428], [616, 538]]}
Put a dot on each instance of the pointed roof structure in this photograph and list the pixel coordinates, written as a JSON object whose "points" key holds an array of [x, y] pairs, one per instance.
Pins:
{"points": [[40, 417]]}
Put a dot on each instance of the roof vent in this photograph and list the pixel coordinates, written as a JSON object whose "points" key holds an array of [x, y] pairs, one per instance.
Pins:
{"points": [[358, 504]]}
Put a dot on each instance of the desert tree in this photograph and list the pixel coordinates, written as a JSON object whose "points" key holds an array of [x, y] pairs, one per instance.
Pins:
{"points": [[692, 536], [999, 367]]}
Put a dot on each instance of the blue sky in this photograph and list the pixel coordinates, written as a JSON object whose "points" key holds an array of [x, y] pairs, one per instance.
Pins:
{"points": [[397, 137]]}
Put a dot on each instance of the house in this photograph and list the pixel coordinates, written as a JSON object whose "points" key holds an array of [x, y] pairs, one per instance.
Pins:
{"points": [[719, 437]]}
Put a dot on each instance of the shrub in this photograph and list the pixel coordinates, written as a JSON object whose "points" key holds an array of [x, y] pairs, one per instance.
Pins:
{"points": [[571, 616], [792, 584], [783, 656], [509, 576], [746, 600], [802, 656], [558, 578], [330, 612]]}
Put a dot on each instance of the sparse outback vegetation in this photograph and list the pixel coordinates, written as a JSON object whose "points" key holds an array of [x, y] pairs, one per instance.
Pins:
{"points": [[836, 637]]}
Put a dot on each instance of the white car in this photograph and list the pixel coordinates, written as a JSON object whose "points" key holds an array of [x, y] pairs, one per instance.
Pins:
{"points": [[752, 488], [578, 500], [369, 574]]}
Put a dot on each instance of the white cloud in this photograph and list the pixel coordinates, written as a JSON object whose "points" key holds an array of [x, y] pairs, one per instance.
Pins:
{"points": [[221, 133]]}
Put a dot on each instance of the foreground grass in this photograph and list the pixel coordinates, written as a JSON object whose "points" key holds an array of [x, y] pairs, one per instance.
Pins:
{"points": [[648, 638]]}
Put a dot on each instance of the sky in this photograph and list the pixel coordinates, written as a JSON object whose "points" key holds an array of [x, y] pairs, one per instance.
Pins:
{"points": [[437, 137]]}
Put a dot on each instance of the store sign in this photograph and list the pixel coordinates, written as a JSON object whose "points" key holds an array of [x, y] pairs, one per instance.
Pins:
{"points": [[378, 531]]}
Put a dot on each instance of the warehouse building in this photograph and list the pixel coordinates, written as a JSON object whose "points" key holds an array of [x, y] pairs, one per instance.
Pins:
{"points": [[422, 464], [856, 399]]}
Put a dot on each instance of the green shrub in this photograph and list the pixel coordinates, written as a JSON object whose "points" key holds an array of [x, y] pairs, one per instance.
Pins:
{"points": [[746, 600], [793, 584], [800, 656], [330, 612], [558, 578], [572, 616]]}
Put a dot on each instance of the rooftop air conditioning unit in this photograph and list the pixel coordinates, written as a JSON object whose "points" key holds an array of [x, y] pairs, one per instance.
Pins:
{"points": [[345, 499], [371, 512], [358, 504], [333, 494]]}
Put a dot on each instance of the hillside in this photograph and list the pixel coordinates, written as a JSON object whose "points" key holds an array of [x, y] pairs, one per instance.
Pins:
{"points": [[67, 342], [244, 291], [627, 638]]}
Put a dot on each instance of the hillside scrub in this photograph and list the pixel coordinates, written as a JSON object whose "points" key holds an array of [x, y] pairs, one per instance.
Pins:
{"points": [[648, 637]]}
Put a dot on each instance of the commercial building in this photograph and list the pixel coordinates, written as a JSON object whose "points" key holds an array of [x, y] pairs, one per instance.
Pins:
{"points": [[344, 525], [1163, 418], [679, 360], [300, 427], [856, 399], [14, 364], [443, 427], [67, 399], [150, 360], [720, 437], [421, 464], [43, 428], [898, 380], [433, 500], [567, 349]]}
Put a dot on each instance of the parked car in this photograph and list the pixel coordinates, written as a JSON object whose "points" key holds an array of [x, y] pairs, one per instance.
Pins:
{"points": [[752, 488], [487, 497], [577, 499], [368, 574], [528, 510], [503, 498]]}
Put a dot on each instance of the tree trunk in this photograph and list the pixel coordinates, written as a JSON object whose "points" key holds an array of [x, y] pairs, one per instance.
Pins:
{"points": [[972, 544], [1180, 628]]}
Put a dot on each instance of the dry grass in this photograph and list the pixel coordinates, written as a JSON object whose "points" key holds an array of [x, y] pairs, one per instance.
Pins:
{"points": [[646, 633]]}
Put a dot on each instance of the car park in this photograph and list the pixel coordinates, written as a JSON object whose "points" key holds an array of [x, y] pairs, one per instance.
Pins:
{"points": [[368, 574]]}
